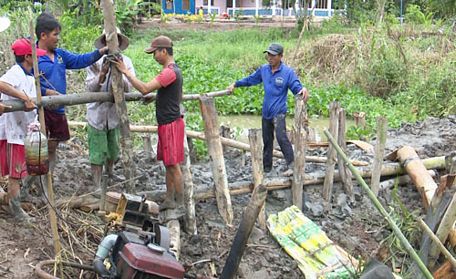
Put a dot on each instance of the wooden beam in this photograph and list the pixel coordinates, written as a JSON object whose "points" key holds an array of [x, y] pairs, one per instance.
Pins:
{"points": [[190, 215], [215, 150], [344, 172], [256, 142], [117, 90], [331, 155], [382, 126], [300, 132]]}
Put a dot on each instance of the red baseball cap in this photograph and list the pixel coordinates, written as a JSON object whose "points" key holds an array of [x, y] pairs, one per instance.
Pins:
{"points": [[23, 46]]}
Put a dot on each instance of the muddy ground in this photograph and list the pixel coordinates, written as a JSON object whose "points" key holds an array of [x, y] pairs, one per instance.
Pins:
{"points": [[356, 226]]}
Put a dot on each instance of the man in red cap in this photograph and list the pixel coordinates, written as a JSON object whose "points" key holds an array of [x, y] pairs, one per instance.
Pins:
{"points": [[17, 83], [169, 116]]}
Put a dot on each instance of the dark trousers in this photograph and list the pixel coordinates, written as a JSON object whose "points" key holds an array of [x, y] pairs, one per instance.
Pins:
{"points": [[277, 125]]}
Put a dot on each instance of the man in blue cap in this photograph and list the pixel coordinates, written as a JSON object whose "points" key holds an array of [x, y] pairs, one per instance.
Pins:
{"points": [[277, 79]]}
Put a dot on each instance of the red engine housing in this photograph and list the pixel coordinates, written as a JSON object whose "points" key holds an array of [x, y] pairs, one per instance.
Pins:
{"points": [[138, 261]]}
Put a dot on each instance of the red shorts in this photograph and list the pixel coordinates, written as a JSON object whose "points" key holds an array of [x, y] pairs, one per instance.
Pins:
{"points": [[170, 147], [56, 126], [12, 160]]}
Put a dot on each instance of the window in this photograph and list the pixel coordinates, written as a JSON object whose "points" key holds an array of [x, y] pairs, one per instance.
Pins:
{"points": [[205, 3], [169, 4]]}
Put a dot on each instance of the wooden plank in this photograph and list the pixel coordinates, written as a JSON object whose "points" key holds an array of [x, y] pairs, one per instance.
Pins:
{"points": [[190, 215], [217, 160]]}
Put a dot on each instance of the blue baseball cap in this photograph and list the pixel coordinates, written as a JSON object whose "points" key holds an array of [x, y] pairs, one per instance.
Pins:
{"points": [[274, 49]]}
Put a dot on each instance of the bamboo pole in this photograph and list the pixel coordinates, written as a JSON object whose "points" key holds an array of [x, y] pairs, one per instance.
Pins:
{"points": [[344, 172], [380, 208], [256, 143], [117, 90], [225, 141], [50, 190], [300, 132], [437, 241], [90, 97], [242, 236], [331, 162], [215, 149], [382, 126]]}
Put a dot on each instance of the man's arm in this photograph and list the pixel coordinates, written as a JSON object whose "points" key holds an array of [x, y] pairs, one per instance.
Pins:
{"points": [[296, 86], [79, 61], [143, 87], [9, 90], [251, 80]]}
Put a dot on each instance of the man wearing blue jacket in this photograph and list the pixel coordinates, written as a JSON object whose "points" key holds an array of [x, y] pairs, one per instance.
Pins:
{"points": [[53, 68], [277, 79]]}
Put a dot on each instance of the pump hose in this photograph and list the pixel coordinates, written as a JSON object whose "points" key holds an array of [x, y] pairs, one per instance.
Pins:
{"points": [[44, 275]]}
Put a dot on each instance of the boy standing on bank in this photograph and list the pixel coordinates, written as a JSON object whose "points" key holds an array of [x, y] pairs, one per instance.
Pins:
{"points": [[17, 83]]}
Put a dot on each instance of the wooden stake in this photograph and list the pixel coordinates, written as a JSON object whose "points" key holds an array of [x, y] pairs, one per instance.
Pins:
{"points": [[382, 126], [242, 236], [445, 227], [344, 172], [331, 155], [190, 216], [256, 142], [50, 190], [147, 144], [300, 132], [117, 90], [215, 149]]}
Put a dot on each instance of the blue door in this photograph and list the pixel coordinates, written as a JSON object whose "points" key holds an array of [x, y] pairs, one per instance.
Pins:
{"points": [[178, 6]]}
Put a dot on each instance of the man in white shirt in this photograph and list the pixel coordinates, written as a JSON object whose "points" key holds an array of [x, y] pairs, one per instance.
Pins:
{"points": [[103, 130], [17, 83]]}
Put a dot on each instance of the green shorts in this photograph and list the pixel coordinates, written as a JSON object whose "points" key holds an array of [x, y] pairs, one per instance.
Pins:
{"points": [[103, 145]]}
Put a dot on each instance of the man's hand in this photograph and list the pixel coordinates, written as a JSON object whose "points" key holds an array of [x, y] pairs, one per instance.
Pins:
{"points": [[304, 93], [231, 88], [147, 99], [29, 105], [50, 92], [104, 50], [120, 64]]}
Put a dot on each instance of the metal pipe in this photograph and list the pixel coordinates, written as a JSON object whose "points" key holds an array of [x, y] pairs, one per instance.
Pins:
{"points": [[380, 208]]}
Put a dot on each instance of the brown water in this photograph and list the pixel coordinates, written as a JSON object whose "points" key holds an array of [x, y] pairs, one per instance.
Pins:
{"points": [[242, 123]]}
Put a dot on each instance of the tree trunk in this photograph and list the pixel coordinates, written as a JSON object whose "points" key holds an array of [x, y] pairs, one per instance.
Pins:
{"points": [[256, 143]]}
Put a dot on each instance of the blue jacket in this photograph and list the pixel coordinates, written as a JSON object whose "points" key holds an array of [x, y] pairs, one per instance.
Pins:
{"points": [[55, 71], [276, 87]]}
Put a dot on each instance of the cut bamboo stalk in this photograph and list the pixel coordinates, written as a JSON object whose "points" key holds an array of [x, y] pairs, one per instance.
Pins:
{"points": [[256, 142], [382, 210], [190, 216], [439, 244], [117, 90], [225, 141], [215, 150], [382, 126], [300, 132], [417, 171], [245, 228], [50, 188], [344, 172], [331, 155]]}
